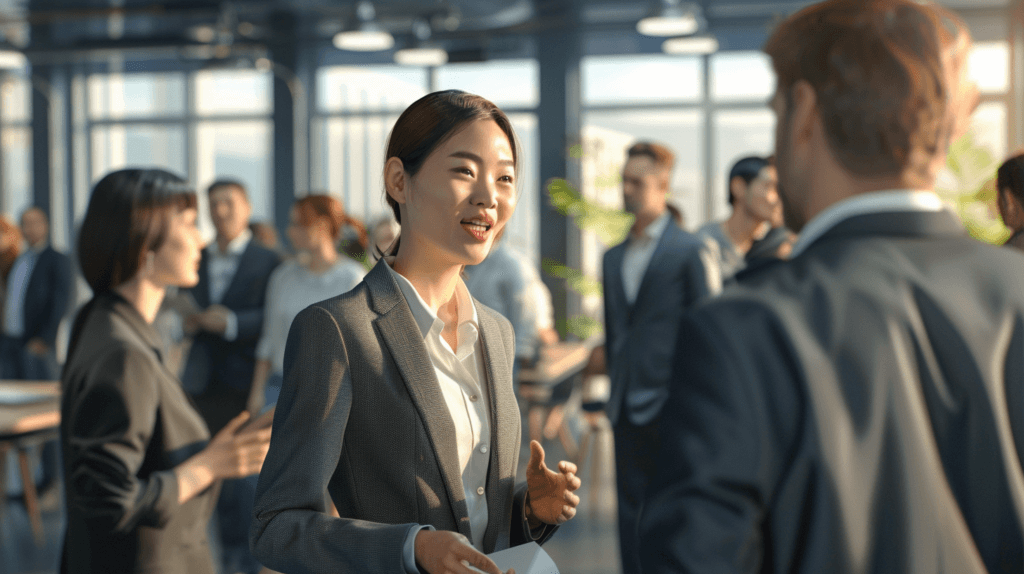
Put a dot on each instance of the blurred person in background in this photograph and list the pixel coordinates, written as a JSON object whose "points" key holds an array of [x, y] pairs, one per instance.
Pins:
{"points": [[317, 272], [775, 245], [38, 294], [383, 233], [860, 406], [142, 472], [218, 373], [754, 200], [397, 403], [649, 279], [266, 235], [10, 248], [1010, 198]]}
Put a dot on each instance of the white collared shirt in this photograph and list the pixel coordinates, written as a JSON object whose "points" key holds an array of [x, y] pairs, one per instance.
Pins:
{"points": [[639, 252], [17, 288], [463, 385], [919, 200], [222, 268]]}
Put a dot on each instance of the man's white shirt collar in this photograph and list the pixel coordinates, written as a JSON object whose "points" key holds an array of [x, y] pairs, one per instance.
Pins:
{"points": [[236, 246], [655, 228], [914, 200]]}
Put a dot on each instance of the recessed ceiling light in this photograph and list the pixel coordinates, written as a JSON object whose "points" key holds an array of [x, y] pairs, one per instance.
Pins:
{"points": [[690, 45], [421, 56], [670, 19]]}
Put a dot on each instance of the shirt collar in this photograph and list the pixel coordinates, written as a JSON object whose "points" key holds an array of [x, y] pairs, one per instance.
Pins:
{"points": [[655, 228], [39, 248], [425, 316], [237, 245], [919, 200]]}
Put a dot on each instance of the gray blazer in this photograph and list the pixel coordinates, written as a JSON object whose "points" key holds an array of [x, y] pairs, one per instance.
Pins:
{"points": [[361, 418]]}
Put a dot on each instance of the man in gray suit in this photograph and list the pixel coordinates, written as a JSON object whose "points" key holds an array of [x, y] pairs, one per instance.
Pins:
{"points": [[649, 280], [860, 407]]}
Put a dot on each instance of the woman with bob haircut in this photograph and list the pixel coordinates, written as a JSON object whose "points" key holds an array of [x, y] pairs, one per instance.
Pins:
{"points": [[141, 470], [397, 400]]}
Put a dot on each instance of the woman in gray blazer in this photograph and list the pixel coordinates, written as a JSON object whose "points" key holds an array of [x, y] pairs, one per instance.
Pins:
{"points": [[397, 400], [141, 471]]}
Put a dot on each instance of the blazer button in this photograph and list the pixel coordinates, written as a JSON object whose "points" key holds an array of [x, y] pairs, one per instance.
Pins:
{"points": [[483, 449], [480, 490], [473, 398]]}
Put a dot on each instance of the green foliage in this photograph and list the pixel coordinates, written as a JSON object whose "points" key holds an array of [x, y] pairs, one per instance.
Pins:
{"points": [[574, 278], [974, 194], [610, 225], [582, 327]]}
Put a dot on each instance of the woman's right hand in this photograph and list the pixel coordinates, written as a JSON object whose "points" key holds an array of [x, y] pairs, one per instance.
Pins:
{"points": [[444, 552], [236, 454]]}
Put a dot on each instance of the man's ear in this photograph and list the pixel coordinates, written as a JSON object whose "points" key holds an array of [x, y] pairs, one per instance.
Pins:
{"points": [[395, 183], [804, 115]]}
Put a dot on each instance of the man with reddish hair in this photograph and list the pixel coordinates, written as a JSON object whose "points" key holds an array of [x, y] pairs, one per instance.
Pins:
{"points": [[859, 407]]}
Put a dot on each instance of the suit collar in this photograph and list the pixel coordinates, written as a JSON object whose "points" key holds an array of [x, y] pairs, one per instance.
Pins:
{"points": [[240, 281], [901, 200], [126, 311], [894, 224], [663, 250]]}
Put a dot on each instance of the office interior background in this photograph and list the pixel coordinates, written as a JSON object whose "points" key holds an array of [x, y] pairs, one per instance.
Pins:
{"points": [[268, 92]]}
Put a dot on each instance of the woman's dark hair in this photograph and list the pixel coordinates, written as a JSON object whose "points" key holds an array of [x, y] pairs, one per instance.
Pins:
{"points": [[429, 122], [1011, 176], [129, 215]]}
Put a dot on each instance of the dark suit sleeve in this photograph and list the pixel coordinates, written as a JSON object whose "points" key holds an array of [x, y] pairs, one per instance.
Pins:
{"points": [[60, 282], [291, 530], [111, 425], [609, 331], [250, 320], [707, 499]]}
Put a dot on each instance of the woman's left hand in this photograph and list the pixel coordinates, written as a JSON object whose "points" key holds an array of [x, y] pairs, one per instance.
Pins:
{"points": [[551, 498]]}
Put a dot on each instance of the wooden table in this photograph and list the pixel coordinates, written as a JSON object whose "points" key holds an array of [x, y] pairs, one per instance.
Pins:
{"points": [[29, 415]]}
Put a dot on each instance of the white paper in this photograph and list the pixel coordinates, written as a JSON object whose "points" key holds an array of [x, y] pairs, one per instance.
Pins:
{"points": [[527, 558]]}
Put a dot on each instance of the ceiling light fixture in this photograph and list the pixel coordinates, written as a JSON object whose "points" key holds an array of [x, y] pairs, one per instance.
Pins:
{"points": [[671, 18], [706, 44], [421, 52], [368, 36]]}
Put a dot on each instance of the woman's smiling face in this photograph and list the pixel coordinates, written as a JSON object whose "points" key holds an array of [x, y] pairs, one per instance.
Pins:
{"points": [[462, 196]]}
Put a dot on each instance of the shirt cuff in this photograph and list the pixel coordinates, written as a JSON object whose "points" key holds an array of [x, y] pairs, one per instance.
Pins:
{"points": [[534, 534], [409, 550], [231, 330]]}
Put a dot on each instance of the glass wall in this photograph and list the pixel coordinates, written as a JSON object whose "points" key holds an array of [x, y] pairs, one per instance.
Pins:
{"points": [[16, 142], [205, 125]]}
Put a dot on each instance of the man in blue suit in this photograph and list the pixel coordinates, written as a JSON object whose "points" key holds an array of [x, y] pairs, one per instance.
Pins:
{"points": [[649, 280], [37, 297], [231, 292]]}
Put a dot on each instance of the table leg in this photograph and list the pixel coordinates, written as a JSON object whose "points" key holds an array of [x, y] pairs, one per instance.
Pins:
{"points": [[28, 486]]}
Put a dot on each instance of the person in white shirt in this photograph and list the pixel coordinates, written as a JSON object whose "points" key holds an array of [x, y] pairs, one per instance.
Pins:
{"points": [[397, 403], [317, 272]]}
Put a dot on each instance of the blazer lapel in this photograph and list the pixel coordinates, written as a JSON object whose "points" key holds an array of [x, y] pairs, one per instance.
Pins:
{"points": [[661, 251], [896, 224], [616, 288], [505, 429], [398, 329]]}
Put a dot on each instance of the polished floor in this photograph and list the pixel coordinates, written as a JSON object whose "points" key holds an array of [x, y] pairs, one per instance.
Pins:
{"points": [[586, 545]]}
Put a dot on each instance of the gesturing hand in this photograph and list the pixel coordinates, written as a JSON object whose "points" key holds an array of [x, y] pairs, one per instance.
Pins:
{"points": [[443, 552], [551, 493]]}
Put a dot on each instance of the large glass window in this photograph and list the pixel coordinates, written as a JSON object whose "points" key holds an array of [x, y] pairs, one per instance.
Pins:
{"points": [[741, 76], [369, 88], [638, 79], [507, 83], [147, 120], [15, 142]]}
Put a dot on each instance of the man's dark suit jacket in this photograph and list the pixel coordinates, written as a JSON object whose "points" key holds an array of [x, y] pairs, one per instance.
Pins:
{"points": [[859, 408], [213, 361], [362, 419], [639, 338], [125, 425], [47, 296]]}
